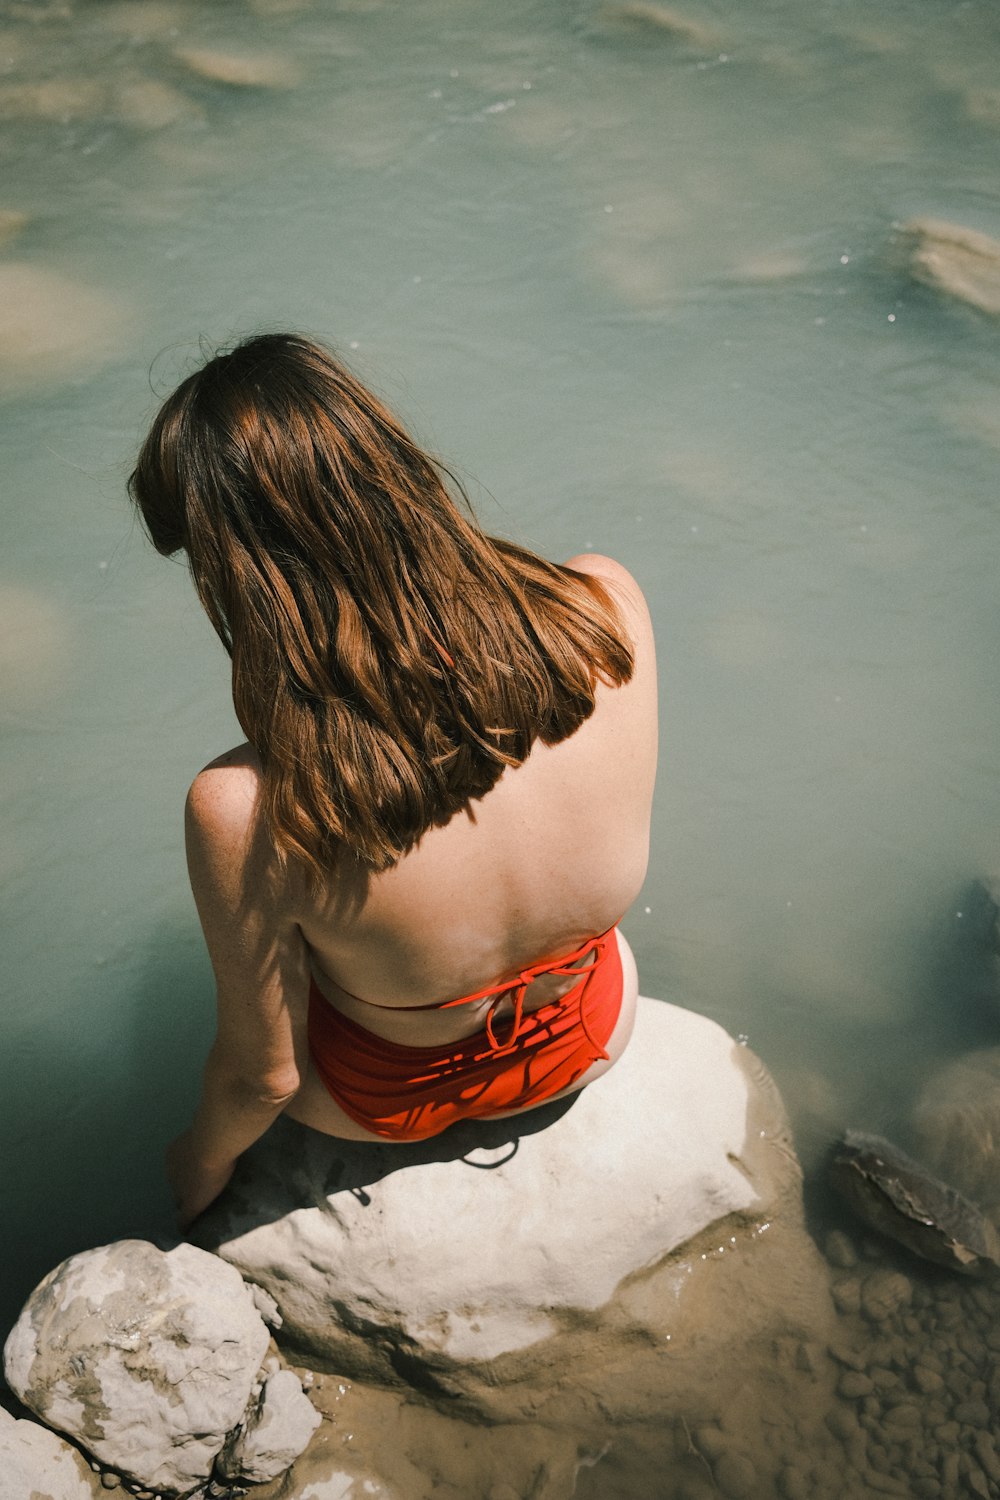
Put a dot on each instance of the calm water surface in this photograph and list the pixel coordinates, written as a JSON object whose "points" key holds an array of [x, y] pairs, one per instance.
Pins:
{"points": [[640, 290]]}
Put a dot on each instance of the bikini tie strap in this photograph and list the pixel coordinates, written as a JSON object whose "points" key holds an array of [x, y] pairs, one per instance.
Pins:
{"points": [[519, 990]]}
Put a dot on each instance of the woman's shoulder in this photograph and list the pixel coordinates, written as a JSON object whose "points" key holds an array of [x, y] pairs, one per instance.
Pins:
{"points": [[222, 800], [623, 588]]}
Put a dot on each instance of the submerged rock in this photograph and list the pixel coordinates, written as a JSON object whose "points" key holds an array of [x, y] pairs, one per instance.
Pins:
{"points": [[464, 1263], [148, 104], [52, 326], [245, 70], [901, 1199], [148, 1358], [956, 1122], [11, 224], [655, 20], [952, 259], [37, 1465]]}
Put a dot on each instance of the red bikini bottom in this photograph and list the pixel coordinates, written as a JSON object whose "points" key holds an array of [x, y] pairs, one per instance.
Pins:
{"points": [[410, 1093]]}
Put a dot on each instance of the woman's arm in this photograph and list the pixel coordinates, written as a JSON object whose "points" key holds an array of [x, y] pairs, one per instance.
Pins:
{"points": [[262, 979]]}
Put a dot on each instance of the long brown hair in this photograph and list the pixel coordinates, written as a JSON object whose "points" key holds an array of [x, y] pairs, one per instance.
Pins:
{"points": [[389, 659]]}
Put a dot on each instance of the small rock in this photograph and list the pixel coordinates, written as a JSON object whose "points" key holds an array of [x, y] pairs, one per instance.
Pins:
{"points": [[35, 1462], [710, 1442], [148, 104], [847, 1295], [245, 70], [11, 224], [735, 1476], [845, 1355], [972, 1413], [947, 1434], [986, 1452], [902, 1418], [975, 1479], [852, 1385], [843, 1423], [267, 1307], [884, 1380], [927, 1381], [884, 1293], [169, 1340], [794, 1484], [110, 1480], [809, 1357], [275, 1432], [839, 1250]]}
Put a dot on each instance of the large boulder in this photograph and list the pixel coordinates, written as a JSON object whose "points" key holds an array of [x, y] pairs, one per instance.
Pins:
{"points": [[37, 1465], [151, 1360], [467, 1265]]}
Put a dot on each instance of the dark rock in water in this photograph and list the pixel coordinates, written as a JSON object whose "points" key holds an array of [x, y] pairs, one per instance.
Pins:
{"points": [[898, 1197]]}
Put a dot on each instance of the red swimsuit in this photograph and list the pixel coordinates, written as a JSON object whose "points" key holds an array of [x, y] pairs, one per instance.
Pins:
{"points": [[409, 1093]]}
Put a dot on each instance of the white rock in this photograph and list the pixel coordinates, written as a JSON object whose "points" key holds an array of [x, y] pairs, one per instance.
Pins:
{"points": [[955, 260], [276, 1430], [146, 1357], [491, 1239], [37, 1465]]}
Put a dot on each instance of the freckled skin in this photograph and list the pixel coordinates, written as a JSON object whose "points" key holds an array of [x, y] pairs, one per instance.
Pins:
{"points": [[552, 855]]}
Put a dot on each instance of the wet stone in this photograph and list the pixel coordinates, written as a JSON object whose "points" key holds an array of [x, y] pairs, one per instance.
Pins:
{"points": [[710, 1442], [794, 1484], [845, 1355], [735, 1476], [847, 1295], [884, 1293], [809, 1358], [985, 1450], [902, 1417], [973, 1413], [853, 1384], [927, 1381], [883, 1379]]}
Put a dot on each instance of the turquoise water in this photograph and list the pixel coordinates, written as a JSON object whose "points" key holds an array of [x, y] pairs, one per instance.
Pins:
{"points": [[641, 291]]}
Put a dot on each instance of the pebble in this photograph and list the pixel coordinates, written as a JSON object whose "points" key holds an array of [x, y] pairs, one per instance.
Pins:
{"points": [[809, 1358], [975, 1413], [884, 1293], [854, 1359], [847, 1294], [110, 1480], [710, 1442], [986, 1453], [853, 1384], [927, 1381], [886, 1484], [794, 1483], [735, 1476]]}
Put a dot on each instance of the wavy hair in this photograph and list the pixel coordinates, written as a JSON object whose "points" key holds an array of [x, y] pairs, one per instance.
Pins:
{"points": [[389, 659]]}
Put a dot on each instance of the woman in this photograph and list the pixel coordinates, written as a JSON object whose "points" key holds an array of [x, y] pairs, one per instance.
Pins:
{"points": [[409, 877]]}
